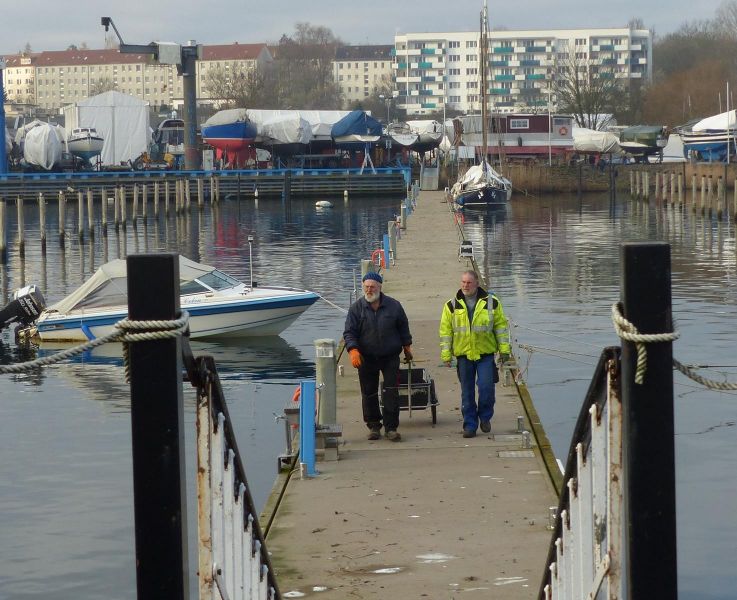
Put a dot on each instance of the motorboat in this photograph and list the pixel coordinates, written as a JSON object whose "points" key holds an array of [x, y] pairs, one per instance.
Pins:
{"points": [[642, 141], [429, 135], [85, 142], [218, 305], [712, 139], [356, 131], [230, 130], [481, 186]]}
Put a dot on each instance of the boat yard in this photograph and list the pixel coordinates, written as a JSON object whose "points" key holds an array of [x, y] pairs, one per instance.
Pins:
{"points": [[425, 516]]}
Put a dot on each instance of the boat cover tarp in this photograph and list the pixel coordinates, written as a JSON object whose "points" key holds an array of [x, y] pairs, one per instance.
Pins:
{"points": [[8, 141], [720, 122], [423, 126], [321, 121], [646, 135], [43, 144], [590, 140], [226, 117], [286, 129], [477, 175], [109, 286], [120, 119], [358, 126]]}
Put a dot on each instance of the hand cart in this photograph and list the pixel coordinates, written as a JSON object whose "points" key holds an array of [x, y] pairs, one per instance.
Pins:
{"points": [[414, 383]]}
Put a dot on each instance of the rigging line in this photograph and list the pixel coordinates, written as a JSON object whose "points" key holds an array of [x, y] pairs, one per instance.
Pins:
{"points": [[580, 362], [556, 350], [340, 308], [515, 324]]}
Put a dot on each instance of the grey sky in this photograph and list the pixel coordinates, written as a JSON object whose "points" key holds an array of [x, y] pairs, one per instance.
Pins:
{"points": [[54, 25]]}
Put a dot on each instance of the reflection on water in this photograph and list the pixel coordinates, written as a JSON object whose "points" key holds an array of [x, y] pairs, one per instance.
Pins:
{"points": [[66, 522], [554, 261]]}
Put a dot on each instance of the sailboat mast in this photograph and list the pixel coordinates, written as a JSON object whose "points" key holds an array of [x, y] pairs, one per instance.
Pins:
{"points": [[483, 43]]}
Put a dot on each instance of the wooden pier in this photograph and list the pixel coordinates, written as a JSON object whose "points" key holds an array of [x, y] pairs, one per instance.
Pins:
{"points": [[436, 515]]}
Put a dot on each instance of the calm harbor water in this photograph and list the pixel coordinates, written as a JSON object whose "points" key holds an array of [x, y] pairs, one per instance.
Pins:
{"points": [[65, 484]]}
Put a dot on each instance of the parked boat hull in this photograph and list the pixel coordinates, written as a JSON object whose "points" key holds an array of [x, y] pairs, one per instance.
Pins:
{"points": [[86, 147], [261, 316], [483, 196], [231, 137]]}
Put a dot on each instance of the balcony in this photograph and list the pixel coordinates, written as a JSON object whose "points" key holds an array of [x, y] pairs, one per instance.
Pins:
{"points": [[425, 65], [425, 92], [503, 77], [499, 63], [606, 47], [529, 63], [499, 91], [430, 51], [413, 79], [535, 76], [429, 105], [502, 50], [428, 78], [534, 48], [393, 52]]}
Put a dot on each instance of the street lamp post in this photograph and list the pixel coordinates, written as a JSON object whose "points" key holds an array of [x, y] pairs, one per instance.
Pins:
{"points": [[549, 93]]}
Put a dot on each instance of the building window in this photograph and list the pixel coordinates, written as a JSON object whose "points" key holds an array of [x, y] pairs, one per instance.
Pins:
{"points": [[519, 123], [454, 58], [472, 57], [472, 44], [454, 44]]}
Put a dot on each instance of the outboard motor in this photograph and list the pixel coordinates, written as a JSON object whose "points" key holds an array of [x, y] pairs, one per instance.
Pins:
{"points": [[25, 307]]}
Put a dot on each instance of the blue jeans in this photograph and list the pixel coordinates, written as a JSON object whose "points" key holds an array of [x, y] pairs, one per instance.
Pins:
{"points": [[471, 373]]}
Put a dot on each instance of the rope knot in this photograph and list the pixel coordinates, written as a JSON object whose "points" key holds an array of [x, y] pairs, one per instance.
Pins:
{"points": [[627, 331]]}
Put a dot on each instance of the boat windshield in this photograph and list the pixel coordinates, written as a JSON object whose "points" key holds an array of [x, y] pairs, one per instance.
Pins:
{"points": [[218, 280], [193, 287]]}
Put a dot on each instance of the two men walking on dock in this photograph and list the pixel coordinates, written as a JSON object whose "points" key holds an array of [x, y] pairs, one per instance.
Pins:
{"points": [[473, 328], [376, 332]]}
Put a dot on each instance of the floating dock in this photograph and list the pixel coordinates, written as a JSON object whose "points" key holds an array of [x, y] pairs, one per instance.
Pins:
{"points": [[436, 515]]}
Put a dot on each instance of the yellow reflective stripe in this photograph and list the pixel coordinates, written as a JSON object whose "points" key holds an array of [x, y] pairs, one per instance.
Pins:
{"points": [[460, 329], [446, 338], [481, 328]]}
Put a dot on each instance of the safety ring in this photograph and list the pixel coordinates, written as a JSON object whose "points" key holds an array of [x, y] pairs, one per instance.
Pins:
{"points": [[563, 130], [297, 394], [380, 254]]}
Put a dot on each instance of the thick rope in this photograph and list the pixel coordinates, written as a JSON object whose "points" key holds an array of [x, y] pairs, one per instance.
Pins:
{"points": [[142, 331], [708, 383], [627, 331]]}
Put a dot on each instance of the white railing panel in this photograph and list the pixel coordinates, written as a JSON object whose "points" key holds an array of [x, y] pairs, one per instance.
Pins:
{"points": [[217, 456], [228, 524], [204, 498], [238, 539], [585, 518], [615, 521]]}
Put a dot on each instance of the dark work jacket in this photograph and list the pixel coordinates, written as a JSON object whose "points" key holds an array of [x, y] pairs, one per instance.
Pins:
{"points": [[377, 333]]}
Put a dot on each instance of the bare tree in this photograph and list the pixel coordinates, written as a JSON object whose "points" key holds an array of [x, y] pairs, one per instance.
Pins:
{"points": [[587, 89], [304, 63], [726, 18], [241, 87], [102, 85]]}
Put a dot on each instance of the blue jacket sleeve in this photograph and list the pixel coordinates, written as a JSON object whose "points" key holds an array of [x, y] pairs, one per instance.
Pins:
{"points": [[352, 322], [403, 327]]}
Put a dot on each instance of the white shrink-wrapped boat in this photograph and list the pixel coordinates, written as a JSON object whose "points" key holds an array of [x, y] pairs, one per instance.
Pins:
{"points": [[43, 143]]}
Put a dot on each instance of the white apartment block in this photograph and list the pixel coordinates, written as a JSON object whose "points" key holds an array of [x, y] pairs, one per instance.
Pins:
{"points": [[433, 71], [52, 79], [358, 70]]}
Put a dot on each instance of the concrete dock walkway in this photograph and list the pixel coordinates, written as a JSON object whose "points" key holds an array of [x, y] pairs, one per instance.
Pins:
{"points": [[435, 516]]}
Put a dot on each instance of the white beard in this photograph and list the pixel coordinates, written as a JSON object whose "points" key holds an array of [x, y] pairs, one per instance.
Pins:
{"points": [[370, 298]]}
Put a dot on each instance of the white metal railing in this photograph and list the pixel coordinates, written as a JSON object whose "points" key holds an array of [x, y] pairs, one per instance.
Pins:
{"points": [[233, 562], [585, 556]]}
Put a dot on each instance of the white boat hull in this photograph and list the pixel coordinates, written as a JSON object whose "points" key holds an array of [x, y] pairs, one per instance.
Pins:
{"points": [[259, 316]]}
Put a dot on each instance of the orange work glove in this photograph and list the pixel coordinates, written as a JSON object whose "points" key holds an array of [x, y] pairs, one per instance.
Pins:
{"points": [[407, 353], [356, 359]]}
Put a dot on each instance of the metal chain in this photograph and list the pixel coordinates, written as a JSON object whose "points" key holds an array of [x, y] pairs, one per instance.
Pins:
{"points": [[627, 331], [142, 331]]}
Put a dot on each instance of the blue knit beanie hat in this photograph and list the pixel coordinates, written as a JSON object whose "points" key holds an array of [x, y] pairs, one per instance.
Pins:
{"points": [[374, 276]]}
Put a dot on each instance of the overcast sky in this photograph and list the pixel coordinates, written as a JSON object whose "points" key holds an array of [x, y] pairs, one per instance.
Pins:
{"points": [[55, 24]]}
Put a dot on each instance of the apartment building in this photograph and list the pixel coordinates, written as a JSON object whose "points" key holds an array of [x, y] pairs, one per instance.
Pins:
{"points": [[53, 79], [360, 69], [437, 70]]}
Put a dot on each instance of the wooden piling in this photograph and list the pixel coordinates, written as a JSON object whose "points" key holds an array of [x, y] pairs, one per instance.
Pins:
{"points": [[156, 199], [62, 215], [21, 227], [200, 192], [42, 221], [672, 188], [135, 203], [646, 187], [80, 215], [680, 190], [632, 185], [694, 190], [703, 193], [116, 209], [90, 214], [166, 198], [657, 186], [187, 193], [720, 197], [391, 228], [123, 208], [709, 193], [103, 211], [3, 239], [144, 202]]}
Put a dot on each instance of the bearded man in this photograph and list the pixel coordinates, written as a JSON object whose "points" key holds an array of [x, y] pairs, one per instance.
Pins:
{"points": [[376, 332]]}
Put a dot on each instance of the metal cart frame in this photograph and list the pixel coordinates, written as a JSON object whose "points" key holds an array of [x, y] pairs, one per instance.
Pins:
{"points": [[414, 383]]}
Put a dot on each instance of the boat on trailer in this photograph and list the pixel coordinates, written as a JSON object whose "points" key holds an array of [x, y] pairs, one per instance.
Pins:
{"points": [[218, 305], [85, 142]]}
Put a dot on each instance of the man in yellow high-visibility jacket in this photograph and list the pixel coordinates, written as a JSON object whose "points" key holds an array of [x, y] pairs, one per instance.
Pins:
{"points": [[472, 328]]}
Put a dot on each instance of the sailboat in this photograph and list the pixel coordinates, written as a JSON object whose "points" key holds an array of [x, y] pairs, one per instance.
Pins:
{"points": [[481, 185]]}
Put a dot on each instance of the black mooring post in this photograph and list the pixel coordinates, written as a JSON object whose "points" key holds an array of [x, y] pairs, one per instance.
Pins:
{"points": [[158, 433], [649, 455]]}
